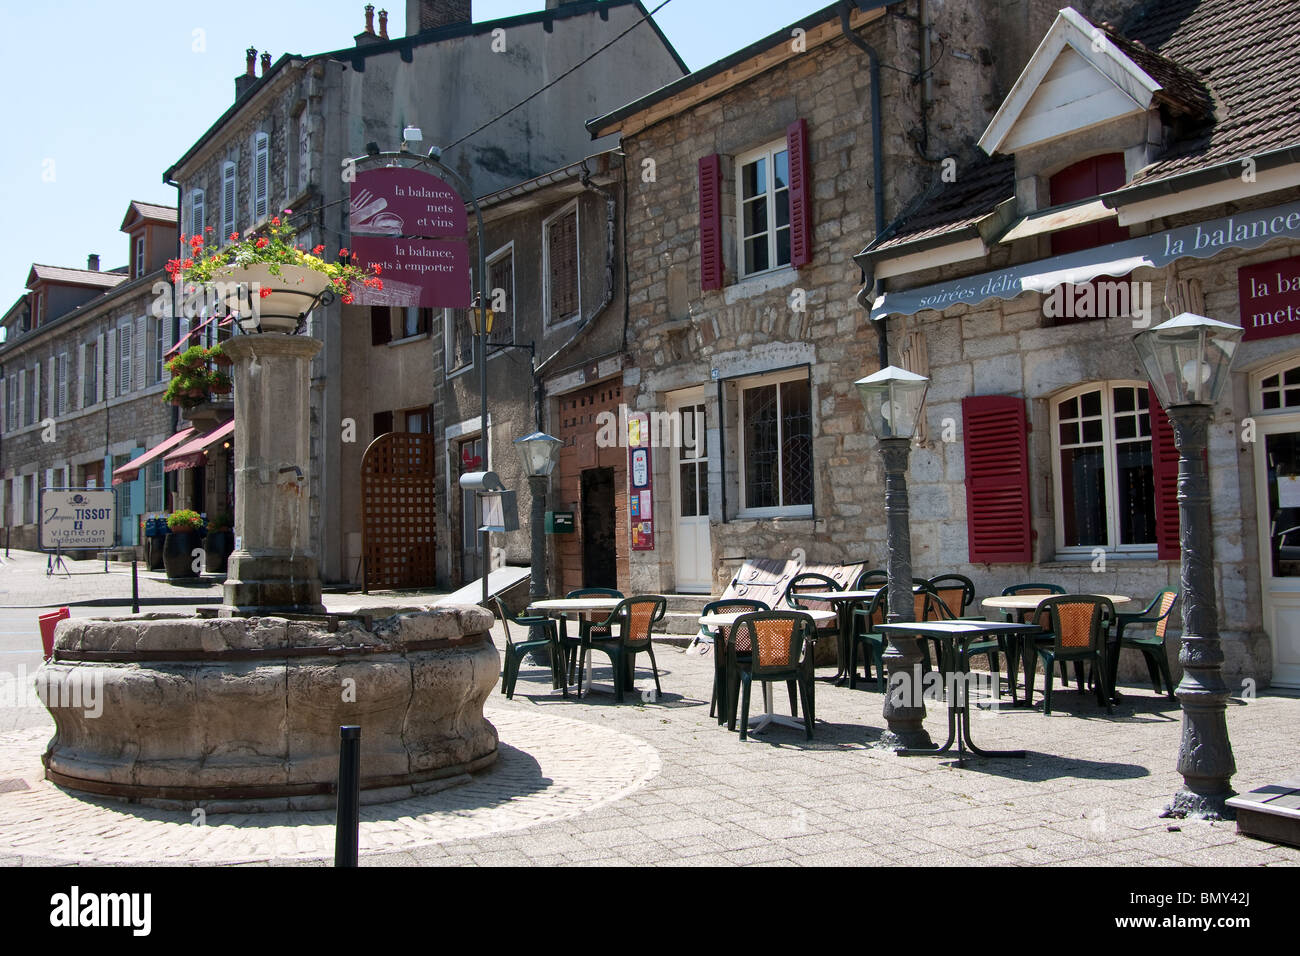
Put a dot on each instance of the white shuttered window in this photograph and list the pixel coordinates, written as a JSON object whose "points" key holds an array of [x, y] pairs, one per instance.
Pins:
{"points": [[261, 176]]}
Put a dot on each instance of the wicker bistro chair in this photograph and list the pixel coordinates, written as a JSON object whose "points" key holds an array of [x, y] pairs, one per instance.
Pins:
{"points": [[811, 582], [1152, 646], [956, 591], [874, 578], [722, 641], [572, 645], [629, 626], [1078, 623], [515, 651], [873, 643], [1012, 649], [781, 643]]}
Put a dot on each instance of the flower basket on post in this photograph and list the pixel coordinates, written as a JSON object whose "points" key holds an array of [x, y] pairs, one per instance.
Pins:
{"points": [[268, 282], [182, 539]]}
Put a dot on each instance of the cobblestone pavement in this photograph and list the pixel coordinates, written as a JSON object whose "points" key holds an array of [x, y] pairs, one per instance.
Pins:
{"points": [[1089, 792]]}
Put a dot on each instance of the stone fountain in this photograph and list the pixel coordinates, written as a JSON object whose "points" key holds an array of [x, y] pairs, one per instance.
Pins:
{"points": [[242, 710]]}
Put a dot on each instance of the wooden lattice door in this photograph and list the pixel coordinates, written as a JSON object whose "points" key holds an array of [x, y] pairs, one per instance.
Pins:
{"points": [[397, 511]]}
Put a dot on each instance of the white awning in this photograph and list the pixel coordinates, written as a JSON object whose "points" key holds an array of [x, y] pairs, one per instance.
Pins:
{"points": [[1201, 240]]}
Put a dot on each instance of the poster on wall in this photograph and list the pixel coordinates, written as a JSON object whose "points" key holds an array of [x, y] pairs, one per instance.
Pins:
{"points": [[1269, 295], [639, 474]]}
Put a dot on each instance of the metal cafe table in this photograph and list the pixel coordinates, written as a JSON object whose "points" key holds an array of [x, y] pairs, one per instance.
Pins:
{"points": [[846, 602], [953, 636], [596, 608], [1025, 605], [769, 716]]}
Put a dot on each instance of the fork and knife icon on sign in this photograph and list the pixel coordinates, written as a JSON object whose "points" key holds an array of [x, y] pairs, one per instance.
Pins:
{"points": [[372, 214]]}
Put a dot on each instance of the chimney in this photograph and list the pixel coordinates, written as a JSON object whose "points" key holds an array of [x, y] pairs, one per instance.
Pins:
{"points": [[92, 262], [383, 24], [422, 15], [367, 35], [250, 72], [266, 63]]}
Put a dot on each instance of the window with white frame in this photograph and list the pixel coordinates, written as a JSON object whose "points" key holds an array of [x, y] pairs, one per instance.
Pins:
{"points": [[1104, 475], [153, 486], [763, 209], [501, 295], [124, 357], [228, 185], [29, 396], [156, 348], [196, 212], [458, 339], [560, 265], [1280, 390], [775, 448], [139, 255], [261, 186], [29, 499], [11, 402]]}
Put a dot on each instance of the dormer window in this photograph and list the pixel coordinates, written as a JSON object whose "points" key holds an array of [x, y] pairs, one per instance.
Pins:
{"points": [[138, 260], [1087, 179]]}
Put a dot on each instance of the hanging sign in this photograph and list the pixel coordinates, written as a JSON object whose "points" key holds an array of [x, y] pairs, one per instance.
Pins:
{"points": [[413, 225], [640, 517], [1269, 294]]}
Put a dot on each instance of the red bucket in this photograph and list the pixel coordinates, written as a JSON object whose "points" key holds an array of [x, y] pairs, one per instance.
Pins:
{"points": [[48, 623]]}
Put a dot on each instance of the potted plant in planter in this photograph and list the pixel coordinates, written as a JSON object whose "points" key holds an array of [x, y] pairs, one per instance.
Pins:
{"points": [[192, 378], [287, 279], [183, 536], [220, 383], [218, 357], [218, 544]]}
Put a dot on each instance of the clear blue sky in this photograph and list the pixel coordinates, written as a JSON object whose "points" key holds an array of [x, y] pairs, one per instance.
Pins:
{"points": [[102, 97]]}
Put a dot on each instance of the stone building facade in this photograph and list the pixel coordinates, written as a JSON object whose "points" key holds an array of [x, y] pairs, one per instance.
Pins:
{"points": [[82, 381], [1168, 185], [285, 140]]}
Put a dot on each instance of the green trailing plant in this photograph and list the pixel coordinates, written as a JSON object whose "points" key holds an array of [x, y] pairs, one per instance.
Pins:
{"points": [[184, 521]]}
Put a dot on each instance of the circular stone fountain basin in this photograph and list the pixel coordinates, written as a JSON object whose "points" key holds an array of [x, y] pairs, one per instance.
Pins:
{"points": [[244, 713]]}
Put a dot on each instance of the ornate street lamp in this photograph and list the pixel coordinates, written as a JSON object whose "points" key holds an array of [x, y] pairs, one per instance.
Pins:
{"points": [[1188, 360], [894, 398], [540, 454]]}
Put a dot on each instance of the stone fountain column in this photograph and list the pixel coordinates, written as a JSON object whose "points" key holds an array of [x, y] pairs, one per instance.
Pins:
{"points": [[272, 568]]}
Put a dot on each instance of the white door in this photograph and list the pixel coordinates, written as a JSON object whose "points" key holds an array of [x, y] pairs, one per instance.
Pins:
{"points": [[691, 498], [1277, 470]]}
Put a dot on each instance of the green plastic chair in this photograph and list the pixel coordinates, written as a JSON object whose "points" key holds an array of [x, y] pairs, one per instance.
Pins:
{"points": [[865, 635], [782, 650], [1012, 617], [1152, 646], [722, 640], [629, 626], [1079, 623], [572, 645], [873, 578], [515, 651]]}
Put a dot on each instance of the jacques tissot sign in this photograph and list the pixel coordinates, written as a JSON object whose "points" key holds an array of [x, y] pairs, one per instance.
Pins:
{"points": [[1270, 298], [413, 225], [77, 518]]}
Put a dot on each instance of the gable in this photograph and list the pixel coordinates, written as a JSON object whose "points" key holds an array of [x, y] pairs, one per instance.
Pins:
{"points": [[1077, 78]]}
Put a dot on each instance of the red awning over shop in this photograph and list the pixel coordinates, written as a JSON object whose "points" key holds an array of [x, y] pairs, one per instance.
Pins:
{"points": [[131, 469], [190, 455]]}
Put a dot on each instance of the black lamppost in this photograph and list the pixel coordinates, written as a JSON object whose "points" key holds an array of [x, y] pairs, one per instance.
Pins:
{"points": [[540, 453], [1188, 360], [894, 398]]}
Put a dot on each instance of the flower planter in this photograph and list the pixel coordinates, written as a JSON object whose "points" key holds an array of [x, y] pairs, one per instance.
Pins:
{"points": [[178, 553], [218, 546], [293, 292]]}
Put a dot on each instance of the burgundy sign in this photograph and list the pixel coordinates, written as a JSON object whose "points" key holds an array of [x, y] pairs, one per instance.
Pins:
{"points": [[429, 273], [396, 201], [1270, 298]]}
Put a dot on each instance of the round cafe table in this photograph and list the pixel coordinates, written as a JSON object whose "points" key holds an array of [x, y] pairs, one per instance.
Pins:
{"points": [[1024, 605]]}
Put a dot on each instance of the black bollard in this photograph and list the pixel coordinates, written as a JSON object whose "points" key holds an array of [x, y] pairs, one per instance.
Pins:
{"points": [[347, 823], [135, 589]]}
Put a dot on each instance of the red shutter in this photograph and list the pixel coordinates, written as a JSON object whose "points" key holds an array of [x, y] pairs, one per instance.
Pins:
{"points": [[796, 144], [711, 223], [997, 479], [1164, 469]]}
